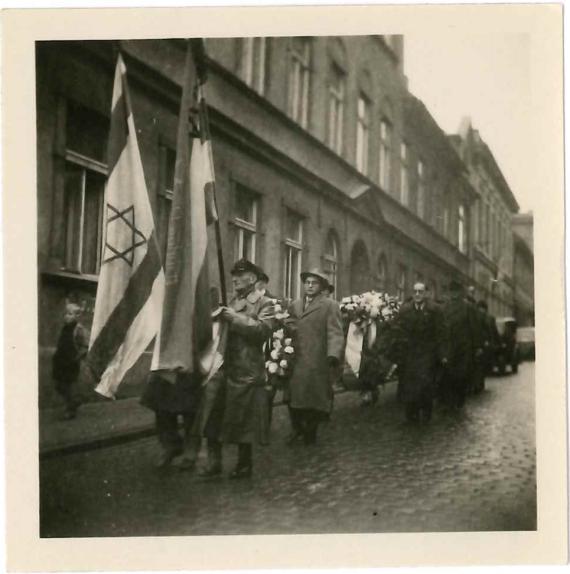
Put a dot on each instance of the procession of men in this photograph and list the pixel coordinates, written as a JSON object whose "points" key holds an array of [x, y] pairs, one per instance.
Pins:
{"points": [[437, 351]]}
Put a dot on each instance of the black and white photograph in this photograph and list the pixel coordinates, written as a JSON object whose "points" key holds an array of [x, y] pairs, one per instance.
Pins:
{"points": [[286, 283]]}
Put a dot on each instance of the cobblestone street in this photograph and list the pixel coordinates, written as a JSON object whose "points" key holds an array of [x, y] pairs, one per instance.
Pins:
{"points": [[370, 473]]}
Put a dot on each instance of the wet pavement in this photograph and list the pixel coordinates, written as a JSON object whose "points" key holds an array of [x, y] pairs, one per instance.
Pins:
{"points": [[370, 472]]}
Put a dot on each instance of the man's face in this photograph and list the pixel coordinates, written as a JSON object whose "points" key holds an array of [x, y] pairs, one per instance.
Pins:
{"points": [[312, 286], [243, 281], [419, 293], [71, 314]]}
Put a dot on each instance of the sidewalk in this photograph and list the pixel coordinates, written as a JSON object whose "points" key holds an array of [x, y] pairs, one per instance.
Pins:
{"points": [[98, 424]]}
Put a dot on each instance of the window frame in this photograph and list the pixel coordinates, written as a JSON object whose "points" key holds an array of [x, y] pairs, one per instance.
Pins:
{"points": [[331, 260], [255, 79], [292, 247], [404, 175], [336, 106], [243, 227], [385, 155], [363, 124], [299, 82]]}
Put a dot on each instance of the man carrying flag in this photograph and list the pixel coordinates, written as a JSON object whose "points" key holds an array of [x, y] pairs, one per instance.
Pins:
{"points": [[131, 283], [180, 361]]}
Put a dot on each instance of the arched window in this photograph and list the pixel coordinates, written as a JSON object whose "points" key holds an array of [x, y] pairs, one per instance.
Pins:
{"points": [[382, 273], [360, 269], [331, 260]]}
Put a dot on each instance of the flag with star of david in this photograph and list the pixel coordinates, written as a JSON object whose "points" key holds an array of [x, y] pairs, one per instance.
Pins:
{"points": [[130, 292]]}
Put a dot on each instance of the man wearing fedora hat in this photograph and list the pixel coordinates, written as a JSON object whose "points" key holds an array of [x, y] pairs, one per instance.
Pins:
{"points": [[319, 344], [250, 316]]}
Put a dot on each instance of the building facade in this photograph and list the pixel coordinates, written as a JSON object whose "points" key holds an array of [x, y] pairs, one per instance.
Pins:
{"points": [[322, 158], [492, 261]]}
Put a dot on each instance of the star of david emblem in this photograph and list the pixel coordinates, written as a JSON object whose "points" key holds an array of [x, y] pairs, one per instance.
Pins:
{"points": [[130, 236]]}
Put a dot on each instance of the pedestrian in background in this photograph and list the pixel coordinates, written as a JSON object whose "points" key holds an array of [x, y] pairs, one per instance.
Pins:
{"points": [[421, 351], [491, 338], [250, 319], [72, 347], [463, 344], [319, 347]]}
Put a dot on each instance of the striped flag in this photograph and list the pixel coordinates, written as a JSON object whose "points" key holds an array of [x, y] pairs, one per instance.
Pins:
{"points": [[129, 298], [186, 330]]}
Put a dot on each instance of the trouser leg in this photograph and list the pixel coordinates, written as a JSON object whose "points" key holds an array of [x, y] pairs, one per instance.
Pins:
{"points": [[427, 407], [270, 397], [311, 426], [167, 432], [297, 419], [245, 455], [412, 411]]}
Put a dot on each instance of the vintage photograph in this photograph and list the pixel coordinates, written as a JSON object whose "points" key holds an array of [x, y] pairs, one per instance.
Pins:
{"points": [[285, 286]]}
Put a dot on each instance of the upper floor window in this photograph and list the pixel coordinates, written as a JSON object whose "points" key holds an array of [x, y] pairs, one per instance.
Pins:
{"points": [[293, 255], [337, 88], [85, 176], [461, 230], [253, 63], [165, 194], [421, 190], [404, 181], [362, 134], [385, 155], [246, 222], [446, 221], [331, 260], [299, 79]]}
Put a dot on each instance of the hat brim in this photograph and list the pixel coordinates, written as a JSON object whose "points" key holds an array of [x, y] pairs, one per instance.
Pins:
{"points": [[324, 281]]}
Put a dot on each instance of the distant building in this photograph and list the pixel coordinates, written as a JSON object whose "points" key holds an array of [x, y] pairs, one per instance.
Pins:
{"points": [[523, 268], [491, 228], [322, 158]]}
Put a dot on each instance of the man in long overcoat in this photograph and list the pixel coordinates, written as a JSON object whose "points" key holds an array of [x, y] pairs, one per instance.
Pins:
{"points": [[464, 345], [421, 352], [250, 318], [319, 348]]}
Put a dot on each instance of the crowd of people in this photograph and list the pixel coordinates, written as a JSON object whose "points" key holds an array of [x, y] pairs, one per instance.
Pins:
{"points": [[435, 350]]}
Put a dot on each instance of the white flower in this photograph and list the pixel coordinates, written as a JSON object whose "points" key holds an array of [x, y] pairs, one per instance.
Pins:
{"points": [[272, 368], [277, 344], [289, 350], [374, 312], [355, 298], [386, 312], [279, 334], [281, 372], [288, 341], [274, 355], [283, 364], [345, 300], [267, 363]]}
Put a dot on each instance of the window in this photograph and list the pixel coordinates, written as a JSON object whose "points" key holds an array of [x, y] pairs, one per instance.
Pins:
{"points": [[401, 283], [336, 108], [85, 175], [331, 261], [421, 191], [404, 183], [461, 230], [382, 273], [293, 253], [165, 193], [245, 220], [362, 134], [446, 221], [253, 61], [299, 77], [487, 239], [385, 155]]}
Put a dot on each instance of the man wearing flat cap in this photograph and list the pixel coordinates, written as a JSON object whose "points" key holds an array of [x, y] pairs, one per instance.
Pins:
{"points": [[319, 348], [464, 345], [250, 317]]}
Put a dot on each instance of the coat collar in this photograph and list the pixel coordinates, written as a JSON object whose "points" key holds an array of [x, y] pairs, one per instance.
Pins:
{"points": [[313, 305], [240, 302]]}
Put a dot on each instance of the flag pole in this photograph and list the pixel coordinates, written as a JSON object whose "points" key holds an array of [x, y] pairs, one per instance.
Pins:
{"points": [[199, 52]]}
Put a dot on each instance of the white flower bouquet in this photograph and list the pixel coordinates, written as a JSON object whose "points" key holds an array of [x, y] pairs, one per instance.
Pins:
{"points": [[279, 364], [368, 307]]}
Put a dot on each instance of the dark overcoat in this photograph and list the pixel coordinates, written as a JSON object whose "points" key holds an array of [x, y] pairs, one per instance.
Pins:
{"points": [[246, 406], [318, 335], [464, 337], [421, 347]]}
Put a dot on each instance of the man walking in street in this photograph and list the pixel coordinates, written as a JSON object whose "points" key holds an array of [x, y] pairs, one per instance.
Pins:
{"points": [[250, 319], [464, 345], [319, 347], [422, 352]]}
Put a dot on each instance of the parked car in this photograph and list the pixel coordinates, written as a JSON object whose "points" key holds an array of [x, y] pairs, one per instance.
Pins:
{"points": [[525, 340], [507, 350]]}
